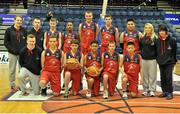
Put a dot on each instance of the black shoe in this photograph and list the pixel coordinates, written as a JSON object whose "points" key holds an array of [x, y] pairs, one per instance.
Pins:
{"points": [[162, 95], [63, 87], [44, 92], [169, 96]]}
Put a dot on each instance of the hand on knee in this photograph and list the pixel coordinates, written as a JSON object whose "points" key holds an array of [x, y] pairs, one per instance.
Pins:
{"points": [[56, 94], [133, 94], [42, 84]]}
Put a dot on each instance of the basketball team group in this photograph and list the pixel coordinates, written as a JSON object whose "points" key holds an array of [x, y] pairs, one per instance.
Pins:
{"points": [[43, 56]]}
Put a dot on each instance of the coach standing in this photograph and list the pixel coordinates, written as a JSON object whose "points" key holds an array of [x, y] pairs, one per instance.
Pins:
{"points": [[14, 40]]}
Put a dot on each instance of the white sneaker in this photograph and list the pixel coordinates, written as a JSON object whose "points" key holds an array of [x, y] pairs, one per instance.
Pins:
{"points": [[145, 93], [151, 94], [105, 95], [124, 96], [88, 94]]}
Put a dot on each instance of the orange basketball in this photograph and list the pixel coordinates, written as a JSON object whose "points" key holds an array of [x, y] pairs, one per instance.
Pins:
{"points": [[72, 61], [93, 71], [72, 64]]}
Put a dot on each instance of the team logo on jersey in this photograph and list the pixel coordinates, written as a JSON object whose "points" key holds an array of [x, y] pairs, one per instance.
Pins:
{"points": [[115, 57], [131, 68], [89, 57], [169, 47], [152, 44], [106, 56], [126, 34], [69, 57], [84, 26], [134, 35], [48, 54], [57, 55], [107, 36]]}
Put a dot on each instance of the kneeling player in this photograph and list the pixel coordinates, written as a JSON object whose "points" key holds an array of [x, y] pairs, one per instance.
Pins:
{"points": [[132, 66], [110, 73], [72, 68], [93, 61], [51, 61]]}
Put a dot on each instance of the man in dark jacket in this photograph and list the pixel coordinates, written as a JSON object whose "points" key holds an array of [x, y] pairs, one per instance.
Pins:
{"points": [[30, 61], [166, 58], [14, 40], [37, 32]]}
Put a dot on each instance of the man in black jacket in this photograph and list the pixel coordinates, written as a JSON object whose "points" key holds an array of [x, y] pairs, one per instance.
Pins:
{"points": [[14, 40], [37, 32], [166, 58], [30, 61]]}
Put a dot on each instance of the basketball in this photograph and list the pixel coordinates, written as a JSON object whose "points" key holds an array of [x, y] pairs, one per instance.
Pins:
{"points": [[93, 71], [72, 64]]}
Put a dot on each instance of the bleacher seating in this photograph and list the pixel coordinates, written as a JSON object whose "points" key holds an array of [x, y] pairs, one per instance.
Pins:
{"points": [[120, 15]]}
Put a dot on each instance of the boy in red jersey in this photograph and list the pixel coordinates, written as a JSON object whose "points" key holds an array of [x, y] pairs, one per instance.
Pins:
{"points": [[130, 35], [93, 58], [132, 66], [88, 32], [108, 34], [52, 32], [68, 36], [51, 62], [110, 61], [75, 73]]}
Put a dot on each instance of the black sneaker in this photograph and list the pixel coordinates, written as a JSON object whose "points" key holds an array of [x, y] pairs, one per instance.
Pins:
{"points": [[162, 95], [169, 96], [63, 87], [44, 92]]}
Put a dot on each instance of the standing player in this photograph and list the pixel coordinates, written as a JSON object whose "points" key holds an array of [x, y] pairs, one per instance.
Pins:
{"points": [[52, 32], [37, 32], [51, 62], [68, 36], [14, 41], [110, 61], [88, 32], [131, 62], [73, 70], [108, 34], [93, 58], [130, 35]]}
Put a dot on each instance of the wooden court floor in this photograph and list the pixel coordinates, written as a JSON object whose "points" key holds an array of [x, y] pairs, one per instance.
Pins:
{"points": [[81, 104]]}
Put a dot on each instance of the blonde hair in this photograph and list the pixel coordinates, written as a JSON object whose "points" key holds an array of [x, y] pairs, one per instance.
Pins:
{"points": [[153, 34]]}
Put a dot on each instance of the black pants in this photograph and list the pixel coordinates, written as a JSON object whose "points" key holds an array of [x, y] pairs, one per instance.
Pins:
{"points": [[166, 72]]}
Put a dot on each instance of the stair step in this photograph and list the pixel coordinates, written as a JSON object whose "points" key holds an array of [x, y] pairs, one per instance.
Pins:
{"points": [[3, 48], [2, 36], [18, 11], [4, 27], [1, 42]]}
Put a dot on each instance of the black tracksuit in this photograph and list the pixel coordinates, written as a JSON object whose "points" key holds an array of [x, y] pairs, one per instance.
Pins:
{"points": [[31, 59], [166, 58], [15, 40]]}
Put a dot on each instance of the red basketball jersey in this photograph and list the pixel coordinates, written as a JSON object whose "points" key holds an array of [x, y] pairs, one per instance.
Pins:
{"points": [[52, 61]]}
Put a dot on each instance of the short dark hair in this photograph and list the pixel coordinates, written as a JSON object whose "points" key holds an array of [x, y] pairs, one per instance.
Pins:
{"points": [[162, 27], [75, 41], [130, 43], [107, 15], [94, 42], [30, 36], [53, 20], [130, 19]]}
